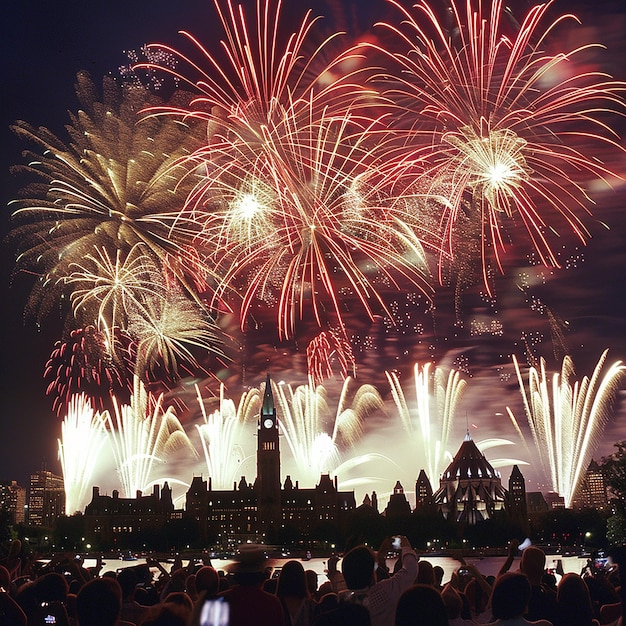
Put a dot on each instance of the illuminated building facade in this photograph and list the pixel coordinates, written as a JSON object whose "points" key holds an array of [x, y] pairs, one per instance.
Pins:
{"points": [[122, 522], [593, 490], [470, 490], [46, 498], [267, 510], [13, 501]]}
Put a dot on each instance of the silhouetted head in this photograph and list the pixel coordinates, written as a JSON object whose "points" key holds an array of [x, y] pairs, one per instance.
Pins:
{"points": [[358, 567], [510, 595]]}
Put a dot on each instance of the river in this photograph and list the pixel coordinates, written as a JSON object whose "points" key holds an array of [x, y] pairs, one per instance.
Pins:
{"points": [[486, 565]]}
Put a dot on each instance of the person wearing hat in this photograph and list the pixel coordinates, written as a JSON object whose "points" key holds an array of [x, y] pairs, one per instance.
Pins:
{"points": [[248, 603]]}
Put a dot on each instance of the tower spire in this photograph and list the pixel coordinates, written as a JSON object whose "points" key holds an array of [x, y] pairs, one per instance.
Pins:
{"points": [[268, 407]]}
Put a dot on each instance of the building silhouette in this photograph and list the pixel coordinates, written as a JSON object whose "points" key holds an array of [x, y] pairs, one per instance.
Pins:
{"points": [[45, 499], [120, 522], [517, 494], [267, 487], [398, 505], [423, 491], [266, 509], [13, 501], [470, 490], [592, 493]]}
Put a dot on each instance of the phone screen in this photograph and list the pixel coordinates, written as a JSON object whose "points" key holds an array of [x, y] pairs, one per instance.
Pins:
{"points": [[215, 612]]}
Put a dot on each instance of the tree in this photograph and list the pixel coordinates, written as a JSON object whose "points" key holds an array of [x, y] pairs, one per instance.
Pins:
{"points": [[614, 469]]}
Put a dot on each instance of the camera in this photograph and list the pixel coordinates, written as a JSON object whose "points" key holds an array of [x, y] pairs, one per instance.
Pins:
{"points": [[396, 542], [50, 619], [215, 612]]}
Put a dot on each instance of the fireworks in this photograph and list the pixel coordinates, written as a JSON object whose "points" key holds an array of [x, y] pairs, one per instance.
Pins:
{"points": [[141, 435], [113, 187], [323, 350], [294, 220], [167, 328], [314, 435], [85, 364], [82, 440], [505, 122], [566, 419], [436, 398], [222, 434], [113, 287]]}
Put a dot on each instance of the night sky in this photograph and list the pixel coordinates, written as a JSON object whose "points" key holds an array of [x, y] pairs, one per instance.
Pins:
{"points": [[46, 44]]}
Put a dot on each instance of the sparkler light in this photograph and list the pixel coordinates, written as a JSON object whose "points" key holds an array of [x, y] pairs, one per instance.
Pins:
{"points": [[429, 424], [509, 124], [314, 435], [83, 437], [566, 419], [222, 434], [141, 435]]}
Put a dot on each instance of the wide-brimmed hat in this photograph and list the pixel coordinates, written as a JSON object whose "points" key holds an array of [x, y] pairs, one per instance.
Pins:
{"points": [[251, 558]]}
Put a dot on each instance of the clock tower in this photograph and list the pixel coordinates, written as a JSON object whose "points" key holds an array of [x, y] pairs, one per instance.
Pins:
{"points": [[268, 464]]}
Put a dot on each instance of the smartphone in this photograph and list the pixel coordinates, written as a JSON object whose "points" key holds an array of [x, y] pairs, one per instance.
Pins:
{"points": [[215, 612], [464, 572], [50, 619], [396, 543]]}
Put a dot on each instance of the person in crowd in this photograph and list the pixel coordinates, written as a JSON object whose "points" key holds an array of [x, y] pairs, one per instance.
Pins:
{"points": [[425, 573], [207, 583], [573, 603], [99, 603], [421, 605], [453, 601], [311, 583], [379, 597], [438, 573], [509, 601], [293, 593], [10, 610], [248, 603], [132, 611], [542, 603]]}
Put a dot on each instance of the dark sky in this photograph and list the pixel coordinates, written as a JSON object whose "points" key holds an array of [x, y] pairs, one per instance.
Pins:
{"points": [[46, 43]]}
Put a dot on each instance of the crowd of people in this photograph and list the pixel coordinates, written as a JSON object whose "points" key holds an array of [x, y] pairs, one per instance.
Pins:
{"points": [[363, 588]]}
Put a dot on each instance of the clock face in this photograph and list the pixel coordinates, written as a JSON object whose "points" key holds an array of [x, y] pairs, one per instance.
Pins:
{"points": [[268, 423]]}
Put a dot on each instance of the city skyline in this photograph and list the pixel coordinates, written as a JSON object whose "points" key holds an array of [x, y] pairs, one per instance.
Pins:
{"points": [[534, 312]]}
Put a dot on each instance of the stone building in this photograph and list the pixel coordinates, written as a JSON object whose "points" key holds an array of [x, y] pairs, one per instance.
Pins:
{"points": [[470, 490], [121, 522], [265, 509]]}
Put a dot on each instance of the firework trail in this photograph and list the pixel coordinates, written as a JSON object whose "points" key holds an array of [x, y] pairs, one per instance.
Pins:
{"points": [[490, 111], [319, 223], [83, 437], [566, 419], [106, 289], [257, 72], [436, 397], [323, 350], [141, 435], [222, 433], [84, 363], [167, 329], [112, 187], [313, 433]]}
